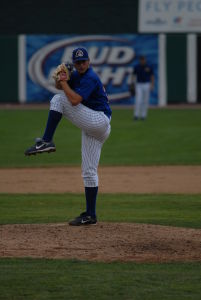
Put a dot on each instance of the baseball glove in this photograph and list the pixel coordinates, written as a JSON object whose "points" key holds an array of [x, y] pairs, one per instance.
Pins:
{"points": [[132, 89], [63, 72]]}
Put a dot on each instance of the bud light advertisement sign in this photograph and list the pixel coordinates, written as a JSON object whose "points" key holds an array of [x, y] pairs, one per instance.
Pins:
{"points": [[112, 57]]}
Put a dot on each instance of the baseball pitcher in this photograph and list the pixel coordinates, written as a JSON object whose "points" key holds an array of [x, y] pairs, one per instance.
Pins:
{"points": [[84, 102]]}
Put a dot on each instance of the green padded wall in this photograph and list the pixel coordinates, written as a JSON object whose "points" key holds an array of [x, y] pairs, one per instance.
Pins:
{"points": [[9, 68], [176, 68]]}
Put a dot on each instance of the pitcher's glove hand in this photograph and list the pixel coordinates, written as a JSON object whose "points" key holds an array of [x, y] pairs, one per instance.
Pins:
{"points": [[63, 72]]}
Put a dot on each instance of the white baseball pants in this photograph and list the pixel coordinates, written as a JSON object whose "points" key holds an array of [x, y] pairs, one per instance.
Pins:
{"points": [[95, 128], [142, 100]]}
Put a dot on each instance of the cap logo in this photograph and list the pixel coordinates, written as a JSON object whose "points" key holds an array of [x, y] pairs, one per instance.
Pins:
{"points": [[79, 53]]}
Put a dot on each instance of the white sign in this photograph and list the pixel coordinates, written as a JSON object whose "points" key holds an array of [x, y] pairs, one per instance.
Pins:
{"points": [[169, 16]]}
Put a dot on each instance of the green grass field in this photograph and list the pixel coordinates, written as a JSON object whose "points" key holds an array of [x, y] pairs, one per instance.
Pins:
{"points": [[167, 137], [172, 210], [35, 279]]}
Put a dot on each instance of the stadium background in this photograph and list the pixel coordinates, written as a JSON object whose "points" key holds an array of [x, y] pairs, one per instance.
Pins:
{"points": [[92, 18], [162, 211]]}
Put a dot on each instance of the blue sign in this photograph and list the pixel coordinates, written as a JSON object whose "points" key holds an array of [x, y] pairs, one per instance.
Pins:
{"points": [[112, 57]]}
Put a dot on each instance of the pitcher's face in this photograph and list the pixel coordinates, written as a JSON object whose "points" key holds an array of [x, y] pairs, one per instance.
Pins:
{"points": [[81, 66]]}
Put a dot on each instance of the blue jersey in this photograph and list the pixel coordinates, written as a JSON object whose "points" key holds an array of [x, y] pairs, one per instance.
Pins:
{"points": [[143, 73], [90, 88]]}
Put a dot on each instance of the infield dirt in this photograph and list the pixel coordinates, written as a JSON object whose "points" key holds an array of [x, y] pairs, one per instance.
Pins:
{"points": [[125, 179]]}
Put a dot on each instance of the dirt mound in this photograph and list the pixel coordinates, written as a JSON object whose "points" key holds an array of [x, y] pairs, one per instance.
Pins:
{"points": [[104, 242]]}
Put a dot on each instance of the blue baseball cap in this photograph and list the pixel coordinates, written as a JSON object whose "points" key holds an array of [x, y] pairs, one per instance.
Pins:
{"points": [[80, 54]]}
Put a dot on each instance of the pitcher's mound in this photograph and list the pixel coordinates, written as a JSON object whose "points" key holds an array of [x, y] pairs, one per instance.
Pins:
{"points": [[103, 242]]}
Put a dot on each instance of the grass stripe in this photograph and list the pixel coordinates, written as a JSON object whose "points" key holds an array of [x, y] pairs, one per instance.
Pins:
{"points": [[167, 137], [173, 210], [37, 279]]}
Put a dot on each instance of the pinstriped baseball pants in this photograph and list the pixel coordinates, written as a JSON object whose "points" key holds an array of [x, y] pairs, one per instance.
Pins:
{"points": [[95, 128], [142, 99]]}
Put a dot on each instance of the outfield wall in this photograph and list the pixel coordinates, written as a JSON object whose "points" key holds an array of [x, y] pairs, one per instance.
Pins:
{"points": [[9, 69], [176, 59], [176, 23]]}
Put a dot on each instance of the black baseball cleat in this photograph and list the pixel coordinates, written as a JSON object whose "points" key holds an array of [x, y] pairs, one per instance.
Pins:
{"points": [[40, 147], [83, 219]]}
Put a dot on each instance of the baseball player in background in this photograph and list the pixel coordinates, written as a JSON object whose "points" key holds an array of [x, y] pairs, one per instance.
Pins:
{"points": [[143, 79], [84, 102]]}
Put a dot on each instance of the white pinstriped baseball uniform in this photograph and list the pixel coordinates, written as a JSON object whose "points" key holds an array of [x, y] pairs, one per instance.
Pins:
{"points": [[95, 126], [84, 103]]}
